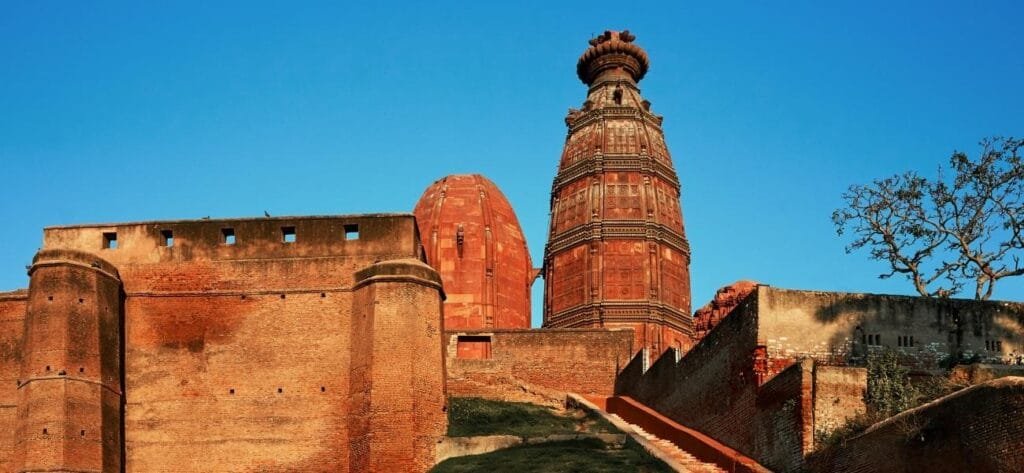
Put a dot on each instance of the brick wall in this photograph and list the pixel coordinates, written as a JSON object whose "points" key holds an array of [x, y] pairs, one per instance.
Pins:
{"points": [[238, 353], [398, 387], [976, 429], [834, 327], [838, 396], [12, 321], [727, 389], [70, 385], [538, 365]]}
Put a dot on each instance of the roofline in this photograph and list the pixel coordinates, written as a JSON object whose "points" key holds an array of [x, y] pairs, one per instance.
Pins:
{"points": [[898, 296], [233, 219]]}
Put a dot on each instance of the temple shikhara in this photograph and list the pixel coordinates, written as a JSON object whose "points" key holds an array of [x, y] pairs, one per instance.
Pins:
{"points": [[333, 343], [617, 254]]}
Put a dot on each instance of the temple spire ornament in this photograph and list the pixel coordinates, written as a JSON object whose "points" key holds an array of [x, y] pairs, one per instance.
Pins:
{"points": [[617, 254]]}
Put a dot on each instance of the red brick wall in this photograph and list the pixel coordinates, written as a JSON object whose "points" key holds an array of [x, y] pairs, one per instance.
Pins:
{"points": [[12, 321], [69, 391], [977, 429], [540, 365], [267, 319], [398, 369]]}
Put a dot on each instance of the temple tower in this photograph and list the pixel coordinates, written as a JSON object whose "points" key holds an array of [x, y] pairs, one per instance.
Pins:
{"points": [[471, 236], [617, 254]]}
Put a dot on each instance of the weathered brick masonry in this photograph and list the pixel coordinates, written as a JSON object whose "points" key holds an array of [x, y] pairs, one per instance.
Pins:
{"points": [[978, 429], [238, 347], [12, 325], [536, 365], [771, 374]]}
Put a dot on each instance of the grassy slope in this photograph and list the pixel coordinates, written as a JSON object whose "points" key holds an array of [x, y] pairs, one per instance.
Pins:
{"points": [[474, 416], [589, 455]]}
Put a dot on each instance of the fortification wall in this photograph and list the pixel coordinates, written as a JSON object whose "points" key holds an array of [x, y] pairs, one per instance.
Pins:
{"points": [[976, 429], [727, 389], [836, 327], [711, 389], [12, 325], [237, 353], [536, 365]]}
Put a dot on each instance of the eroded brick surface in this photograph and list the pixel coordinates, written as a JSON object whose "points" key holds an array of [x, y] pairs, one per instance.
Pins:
{"points": [[537, 365]]}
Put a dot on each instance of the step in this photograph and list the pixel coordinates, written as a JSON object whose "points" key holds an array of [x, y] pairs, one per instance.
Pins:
{"points": [[688, 461]]}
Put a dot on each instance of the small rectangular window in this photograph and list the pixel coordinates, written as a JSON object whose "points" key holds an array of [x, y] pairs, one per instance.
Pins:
{"points": [[352, 232], [473, 347], [110, 240], [168, 237], [227, 236], [288, 234]]}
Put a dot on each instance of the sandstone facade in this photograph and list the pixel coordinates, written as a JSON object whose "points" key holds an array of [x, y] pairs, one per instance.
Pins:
{"points": [[471, 236], [617, 254]]}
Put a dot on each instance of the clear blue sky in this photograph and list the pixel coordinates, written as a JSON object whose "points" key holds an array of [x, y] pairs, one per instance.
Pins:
{"points": [[118, 112]]}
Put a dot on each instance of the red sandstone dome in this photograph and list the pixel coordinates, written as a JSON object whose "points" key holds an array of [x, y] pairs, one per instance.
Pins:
{"points": [[471, 236]]}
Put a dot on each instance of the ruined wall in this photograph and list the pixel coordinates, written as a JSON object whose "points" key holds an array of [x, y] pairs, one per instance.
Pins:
{"points": [[237, 353], [711, 389], [976, 429], [727, 389], [536, 365], [12, 325], [838, 396], [836, 327]]}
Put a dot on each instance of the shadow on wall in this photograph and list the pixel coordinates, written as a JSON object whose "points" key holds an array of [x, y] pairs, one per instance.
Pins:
{"points": [[926, 332]]}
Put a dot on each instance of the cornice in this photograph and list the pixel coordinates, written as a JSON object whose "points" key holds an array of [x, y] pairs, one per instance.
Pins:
{"points": [[616, 230]]}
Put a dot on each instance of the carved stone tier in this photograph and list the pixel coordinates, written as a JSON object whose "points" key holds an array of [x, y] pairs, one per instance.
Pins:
{"points": [[617, 254]]}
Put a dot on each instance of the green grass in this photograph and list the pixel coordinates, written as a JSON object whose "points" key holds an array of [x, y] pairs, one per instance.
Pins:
{"points": [[588, 455], [470, 416]]}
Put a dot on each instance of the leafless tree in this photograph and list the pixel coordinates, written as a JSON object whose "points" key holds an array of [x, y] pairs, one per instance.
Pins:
{"points": [[944, 233]]}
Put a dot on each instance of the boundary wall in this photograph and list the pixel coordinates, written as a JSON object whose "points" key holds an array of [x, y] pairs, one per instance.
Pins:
{"points": [[538, 365], [239, 351]]}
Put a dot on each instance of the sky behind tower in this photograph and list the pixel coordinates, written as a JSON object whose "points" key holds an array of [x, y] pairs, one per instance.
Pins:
{"points": [[144, 111]]}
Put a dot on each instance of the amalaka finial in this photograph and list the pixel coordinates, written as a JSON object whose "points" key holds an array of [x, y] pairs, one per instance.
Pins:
{"points": [[612, 51]]}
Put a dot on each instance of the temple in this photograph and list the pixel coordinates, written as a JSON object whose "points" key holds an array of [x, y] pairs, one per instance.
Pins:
{"points": [[617, 254], [333, 343]]}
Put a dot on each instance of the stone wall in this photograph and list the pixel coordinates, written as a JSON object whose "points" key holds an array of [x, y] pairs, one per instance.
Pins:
{"points": [[976, 429], [727, 389], [838, 328], [536, 365]]}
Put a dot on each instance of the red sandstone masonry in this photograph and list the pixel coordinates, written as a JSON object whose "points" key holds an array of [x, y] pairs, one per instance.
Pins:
{"points": [[539, 365], [12, 320]]}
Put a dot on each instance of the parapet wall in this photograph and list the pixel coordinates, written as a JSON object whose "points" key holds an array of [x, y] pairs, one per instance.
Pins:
{"points": [[539, 365], [727, 389], [840, 328], [976, 429]]}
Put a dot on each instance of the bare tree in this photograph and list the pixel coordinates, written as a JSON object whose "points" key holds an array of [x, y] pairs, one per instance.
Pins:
{"points": [[941, 234]]}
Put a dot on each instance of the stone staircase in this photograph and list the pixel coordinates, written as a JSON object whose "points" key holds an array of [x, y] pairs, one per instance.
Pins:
{"points": [[683, 458]]}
